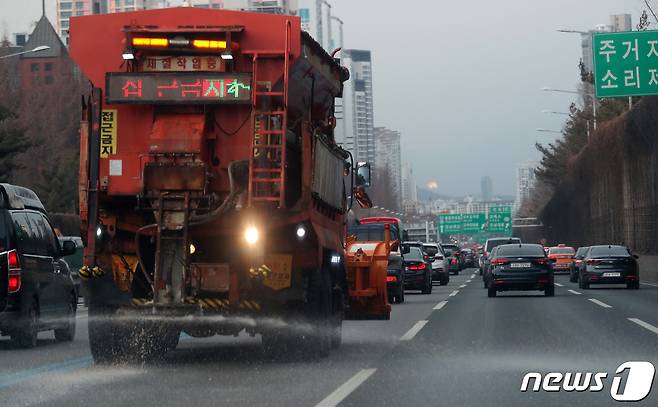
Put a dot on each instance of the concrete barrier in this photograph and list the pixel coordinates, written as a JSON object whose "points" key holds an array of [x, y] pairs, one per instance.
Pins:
{"points": [[648, 268]]}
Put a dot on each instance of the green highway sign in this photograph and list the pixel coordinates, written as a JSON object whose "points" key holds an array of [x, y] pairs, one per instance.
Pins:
{"points": [[500, 219], [473, 223], [450, 224], [461, 224], [625, 63]]}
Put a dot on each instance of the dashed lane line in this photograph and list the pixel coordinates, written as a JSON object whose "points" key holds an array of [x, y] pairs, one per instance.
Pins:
{"points": [[440, 305], [574, 292], [462, 286], [452, 294], [413, 331], [346, 388], [649, 284], [644, 325], [600, 303], [558, 285]]}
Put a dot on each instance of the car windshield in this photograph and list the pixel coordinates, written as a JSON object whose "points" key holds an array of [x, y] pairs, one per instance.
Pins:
{"points": [[371, 232], [431, 250], [514, 250], [581, 251], [561, 250], [608, 251], [414, 254], [497, 242]]}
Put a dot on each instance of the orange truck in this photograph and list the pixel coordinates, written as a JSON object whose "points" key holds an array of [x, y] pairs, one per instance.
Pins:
{"points": [[563, 256], [213, 195]]}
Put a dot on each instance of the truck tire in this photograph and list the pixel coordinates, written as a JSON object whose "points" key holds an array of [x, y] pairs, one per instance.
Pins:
{"points": [[66, 333], [105, 335], [308, 332]]}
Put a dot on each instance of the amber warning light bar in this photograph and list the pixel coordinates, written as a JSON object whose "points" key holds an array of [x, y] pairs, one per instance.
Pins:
{"points": [[179, 42]]}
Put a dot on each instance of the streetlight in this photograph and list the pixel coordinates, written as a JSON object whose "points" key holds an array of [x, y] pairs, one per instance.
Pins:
{"points": [[547, 89], [553, 112], [37, 49], [547, 131]]}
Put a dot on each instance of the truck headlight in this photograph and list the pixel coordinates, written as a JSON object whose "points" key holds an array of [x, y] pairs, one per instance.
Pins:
{"points": [[301, 232], [251, 235]]}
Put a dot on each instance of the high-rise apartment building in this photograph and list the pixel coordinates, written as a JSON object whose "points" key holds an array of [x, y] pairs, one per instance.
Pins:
{"points": [[525, 182], [389, 160], [355, 129], [621, 22], [409, 187], [486, 188]]}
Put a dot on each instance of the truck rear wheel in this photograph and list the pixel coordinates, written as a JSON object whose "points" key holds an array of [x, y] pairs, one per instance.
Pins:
{"points": [[113, 340], [309, 332], [105, 335]]}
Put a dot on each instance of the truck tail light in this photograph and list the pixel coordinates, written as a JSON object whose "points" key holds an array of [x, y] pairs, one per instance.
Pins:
{"points": [[150, 42], [14, 267]]}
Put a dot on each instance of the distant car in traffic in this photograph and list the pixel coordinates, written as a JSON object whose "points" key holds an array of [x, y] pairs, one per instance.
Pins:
{"points": [[417, 271], [563, 256], [74, 261], [451, 252], [521, 267], [440, 272], [609, 264], [489, 245], [577, 263], [467, 258]]}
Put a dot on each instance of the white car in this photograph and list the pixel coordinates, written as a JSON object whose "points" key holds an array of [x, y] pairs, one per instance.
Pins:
{"points": [[439, 268]]}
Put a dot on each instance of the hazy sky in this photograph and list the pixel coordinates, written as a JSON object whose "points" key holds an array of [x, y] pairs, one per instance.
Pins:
{"points": [[460, 79]]}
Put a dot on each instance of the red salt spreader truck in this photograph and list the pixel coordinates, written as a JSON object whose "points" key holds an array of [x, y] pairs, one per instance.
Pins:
{"points": [[213, 195]]}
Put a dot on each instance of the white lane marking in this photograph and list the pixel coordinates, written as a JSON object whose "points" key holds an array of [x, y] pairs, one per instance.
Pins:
{"points": [[473, 275], [652, 285], [462, 286], [452, 294], [346, 388], [469, 280], [600, 303], [81, 315], [440, 305], [413, 331], [574, 292], [558, 284], [644, 325]]}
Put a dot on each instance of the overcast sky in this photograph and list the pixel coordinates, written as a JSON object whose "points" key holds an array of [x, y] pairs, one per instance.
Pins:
{"points": [[460, 79]]}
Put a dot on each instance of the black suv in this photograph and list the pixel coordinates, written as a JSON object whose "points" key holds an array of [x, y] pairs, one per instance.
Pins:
{"points": [[36, 288]]}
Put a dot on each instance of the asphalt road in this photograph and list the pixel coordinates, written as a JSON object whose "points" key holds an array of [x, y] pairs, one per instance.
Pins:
{"points": [[455, 347]]}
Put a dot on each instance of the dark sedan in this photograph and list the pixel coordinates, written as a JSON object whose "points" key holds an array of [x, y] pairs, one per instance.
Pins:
{"points": [[609, 265], [417, 271], [577, 263], [520, 267], [452, 257]]}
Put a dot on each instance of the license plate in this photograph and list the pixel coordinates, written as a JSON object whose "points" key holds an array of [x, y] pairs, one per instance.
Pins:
{"points": [[611, 274], [279, 274], [520, 265]]}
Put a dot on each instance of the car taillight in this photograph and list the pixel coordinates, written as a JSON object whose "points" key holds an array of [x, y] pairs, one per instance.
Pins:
{"points": [[454, 260], [14, 266], [593, 262], [391, 279], [498, 262], [579, 262], [426, 257], [543, 260], [418, 267], [12, 260]]}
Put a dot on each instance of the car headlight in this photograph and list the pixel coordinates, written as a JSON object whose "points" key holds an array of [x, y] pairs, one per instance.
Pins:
{"points": [[251, 235]]}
